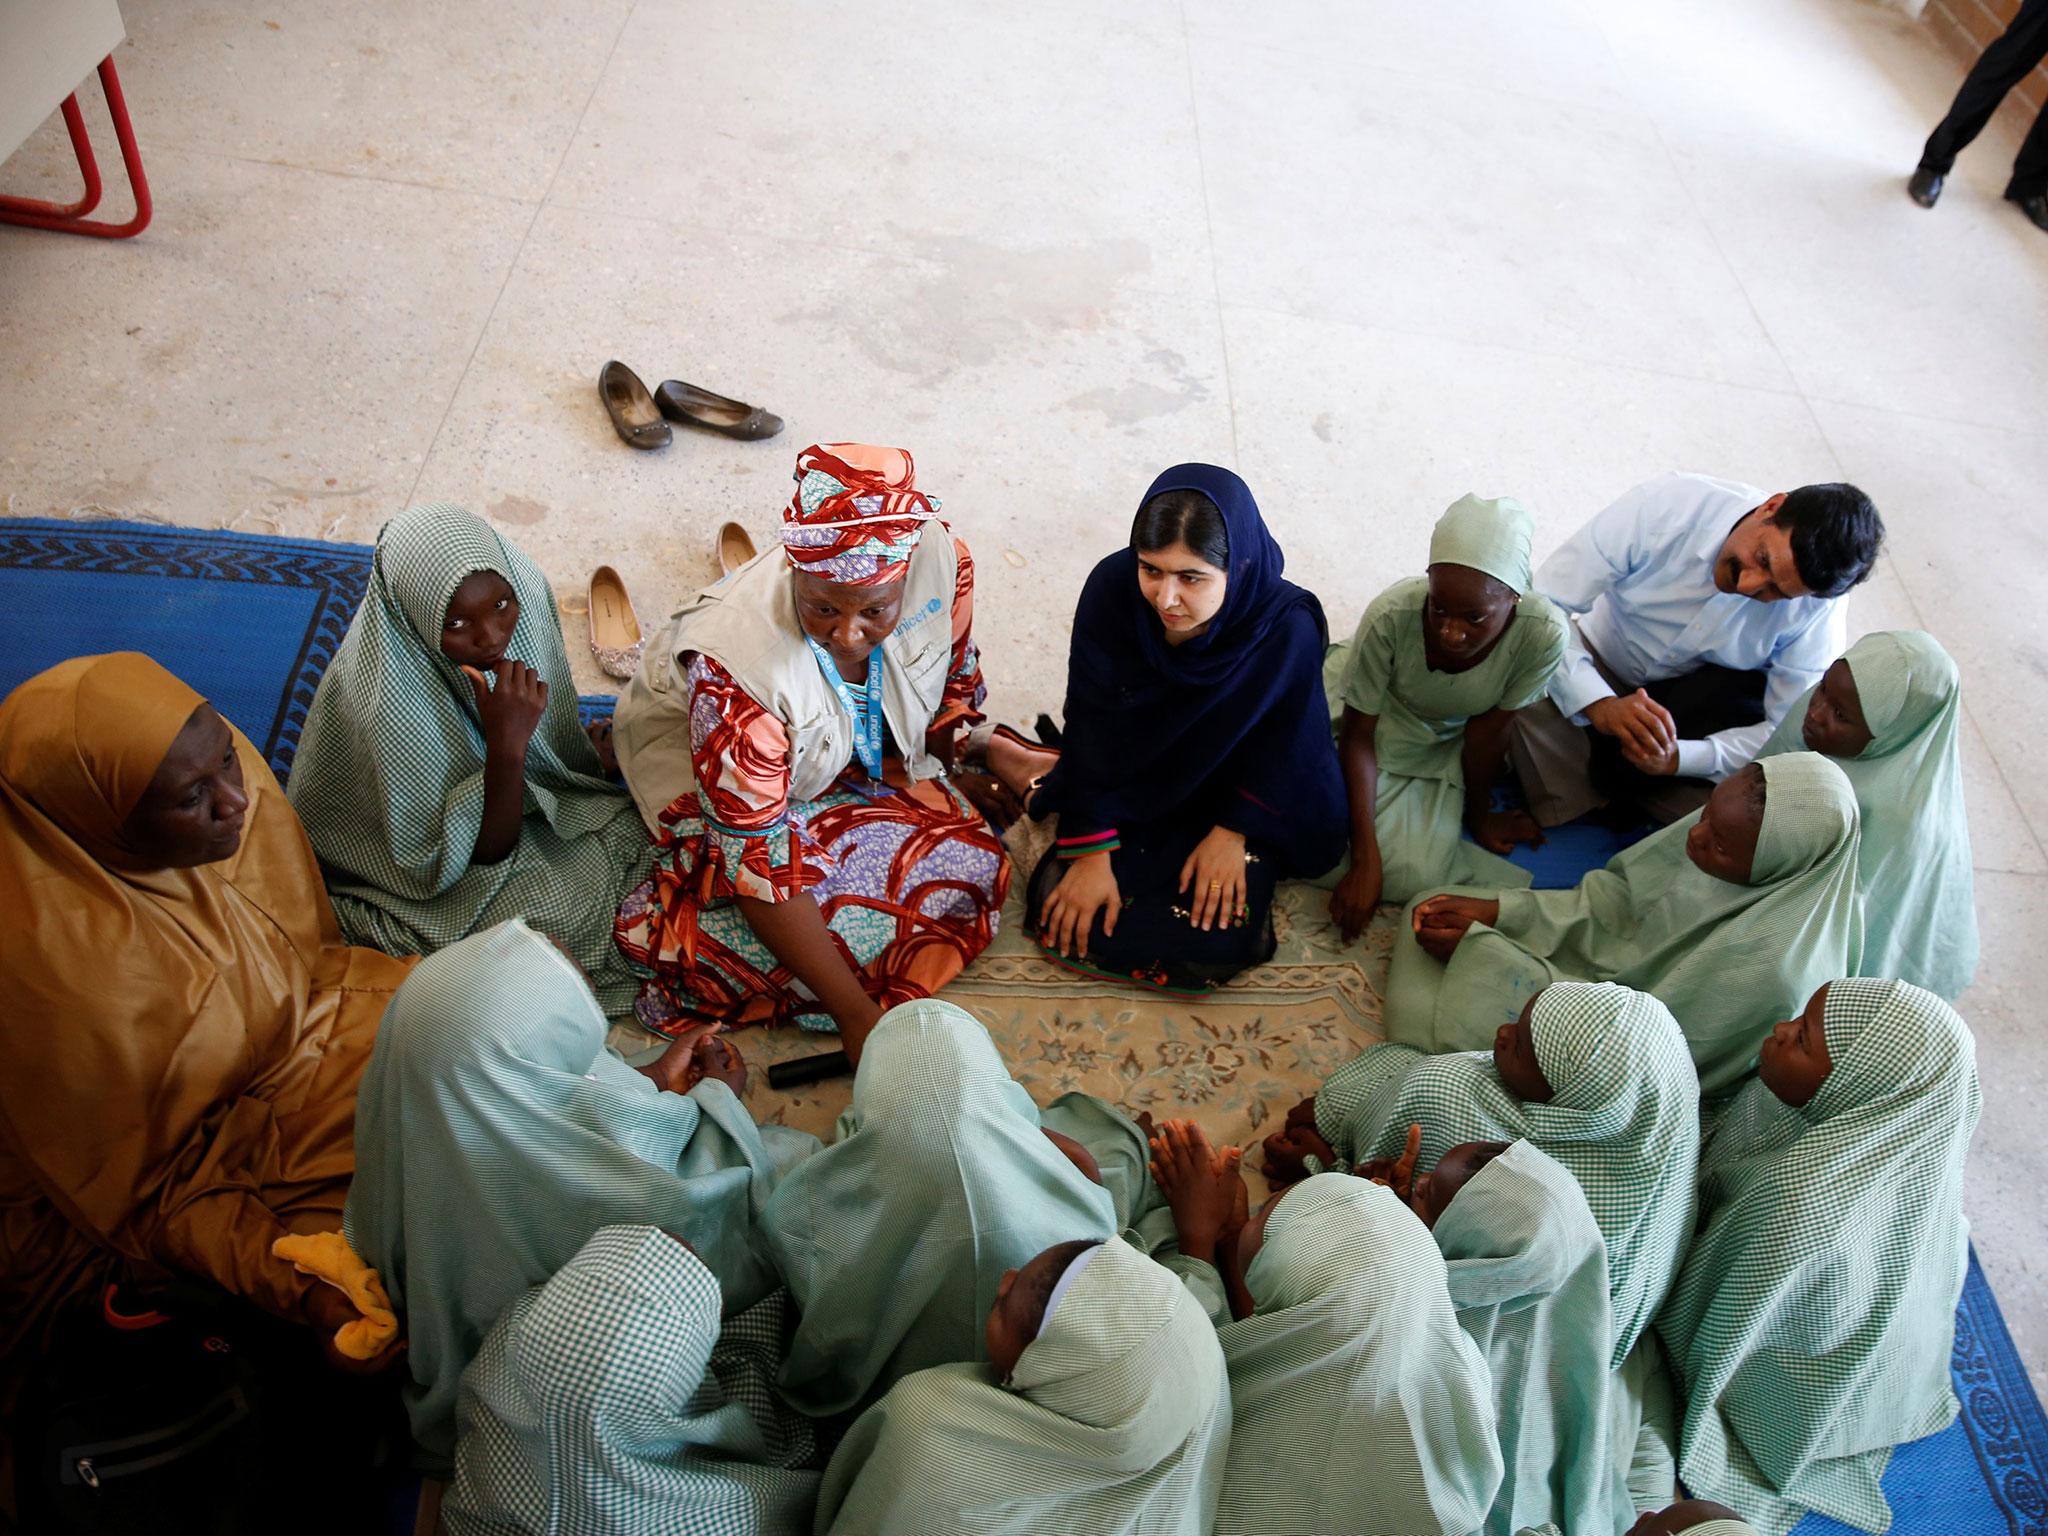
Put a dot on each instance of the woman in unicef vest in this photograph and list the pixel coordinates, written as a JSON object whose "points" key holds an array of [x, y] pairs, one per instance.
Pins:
{"points": [[787, 741]]}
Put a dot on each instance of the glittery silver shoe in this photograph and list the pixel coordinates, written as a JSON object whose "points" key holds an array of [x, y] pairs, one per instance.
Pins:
{"points": [[615, 638]]}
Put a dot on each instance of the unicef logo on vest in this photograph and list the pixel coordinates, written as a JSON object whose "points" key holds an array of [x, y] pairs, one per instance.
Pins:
{"points": [[917, 618]]}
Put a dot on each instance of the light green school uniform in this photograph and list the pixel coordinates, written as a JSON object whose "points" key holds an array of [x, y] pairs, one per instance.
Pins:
{"points": [[611, 1398], [389, 778], [894, 1238], [1382, 670], [1812, 1324], [1730, 961], [495, 1133], [1527, 1273], [1115, 1422], [1913, 866], [1360, 1405], [1624, 1119]]}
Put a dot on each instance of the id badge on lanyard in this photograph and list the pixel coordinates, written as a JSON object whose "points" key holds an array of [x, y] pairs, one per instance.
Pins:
{"points": [[867, 723]]}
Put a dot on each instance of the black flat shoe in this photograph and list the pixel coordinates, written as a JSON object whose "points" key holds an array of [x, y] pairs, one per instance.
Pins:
{"points": [[2033, 204], [1925, 187], [632, 409], [695, 407]]}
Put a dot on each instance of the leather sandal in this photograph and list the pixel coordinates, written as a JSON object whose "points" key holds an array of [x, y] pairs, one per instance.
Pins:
{"points": [[974, 750], [694, 407], [615, 638], [632, 409], [734, 547]]}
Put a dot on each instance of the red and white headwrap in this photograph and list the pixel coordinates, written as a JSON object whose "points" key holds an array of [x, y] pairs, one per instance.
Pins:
{"points": [[857, 513]]}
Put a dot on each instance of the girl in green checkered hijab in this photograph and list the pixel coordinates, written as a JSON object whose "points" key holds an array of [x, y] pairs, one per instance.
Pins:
{"points": [[1812, 1323], [1890, 712], [894, 1238], [443, 775], [495, 1132], [612, 1399], [1596, 1075], [1730, 921], [1527, 1272], [1358, 1403], [1102, 1410]]}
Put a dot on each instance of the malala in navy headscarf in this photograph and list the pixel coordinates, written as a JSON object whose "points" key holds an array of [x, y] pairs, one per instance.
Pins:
{"points": [[1229, 728]]}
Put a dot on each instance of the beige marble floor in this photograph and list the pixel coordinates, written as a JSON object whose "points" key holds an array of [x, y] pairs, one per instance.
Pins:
{"points": [[1373, 254]]}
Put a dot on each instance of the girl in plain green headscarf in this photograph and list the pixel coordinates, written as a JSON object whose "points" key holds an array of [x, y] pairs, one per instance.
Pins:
{"points": [[1527, 1272], [1890, 712], [611, 1398], [443, 776], [1812, 1323], [1103, 1411], [1597, 1076], [495, 1133], [1731, 922], [894, 1239], [1424, 694], [1358, 1402]]}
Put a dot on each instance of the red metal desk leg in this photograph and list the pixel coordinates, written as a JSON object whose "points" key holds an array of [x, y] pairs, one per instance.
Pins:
{"points": [[36, 214]]}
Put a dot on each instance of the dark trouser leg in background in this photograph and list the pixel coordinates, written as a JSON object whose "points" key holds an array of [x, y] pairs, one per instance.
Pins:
{"points": [[1701, 702], [2030, 168], [2002, 66]]}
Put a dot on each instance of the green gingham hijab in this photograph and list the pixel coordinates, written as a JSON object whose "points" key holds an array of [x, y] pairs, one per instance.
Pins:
{"points": [[609, 1399], [1812, 1323], [1624, 1120], [1528, 1275], [1359, 1404], [495, 1133], [389, 777], [1115, 1420], [1919, 906], [894, 1238], [1728, 960]]}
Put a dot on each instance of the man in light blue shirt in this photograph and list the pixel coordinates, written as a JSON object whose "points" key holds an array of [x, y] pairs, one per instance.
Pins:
{"points": [[1701, 608]]}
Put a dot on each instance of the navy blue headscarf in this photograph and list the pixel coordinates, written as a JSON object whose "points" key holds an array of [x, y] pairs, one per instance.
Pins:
{"points": [[1230, 726]]}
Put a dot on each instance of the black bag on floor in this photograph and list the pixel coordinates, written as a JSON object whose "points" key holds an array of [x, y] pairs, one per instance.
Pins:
{"points": [[142, 1416]]}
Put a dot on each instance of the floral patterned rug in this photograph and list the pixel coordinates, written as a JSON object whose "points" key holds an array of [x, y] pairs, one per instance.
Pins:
{"points": [[1235, 1061]]}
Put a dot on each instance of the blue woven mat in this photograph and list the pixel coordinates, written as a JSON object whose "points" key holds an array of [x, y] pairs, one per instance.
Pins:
{"points": [[252, 621]]}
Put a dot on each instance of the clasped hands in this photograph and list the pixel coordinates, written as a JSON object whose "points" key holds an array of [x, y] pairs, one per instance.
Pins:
{"points": [[1643, 728]]}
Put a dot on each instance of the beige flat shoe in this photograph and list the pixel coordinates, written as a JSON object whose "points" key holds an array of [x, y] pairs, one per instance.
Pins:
{"points": [[735, 548], [615, 638]]}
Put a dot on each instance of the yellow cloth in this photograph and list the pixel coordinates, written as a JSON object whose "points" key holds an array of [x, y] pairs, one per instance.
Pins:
{"points": [[178, 1074], [327, 1256]]}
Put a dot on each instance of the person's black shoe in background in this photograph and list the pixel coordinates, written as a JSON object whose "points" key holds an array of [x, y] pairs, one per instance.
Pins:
{"points": [[1925, 187], [2033, 204]]}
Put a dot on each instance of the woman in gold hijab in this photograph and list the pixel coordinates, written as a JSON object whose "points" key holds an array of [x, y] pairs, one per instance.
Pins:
{"points": [[185, 1028]]}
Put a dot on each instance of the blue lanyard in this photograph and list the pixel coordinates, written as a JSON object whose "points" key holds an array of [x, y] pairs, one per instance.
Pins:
{"points": [[867, 712]]}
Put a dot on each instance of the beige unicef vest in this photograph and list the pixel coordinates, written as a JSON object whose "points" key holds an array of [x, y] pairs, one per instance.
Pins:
{"points": [[747, 624]]}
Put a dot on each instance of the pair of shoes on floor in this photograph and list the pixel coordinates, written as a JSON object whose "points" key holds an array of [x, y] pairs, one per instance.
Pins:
{"points": [[616, 639], [642, 419]]}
